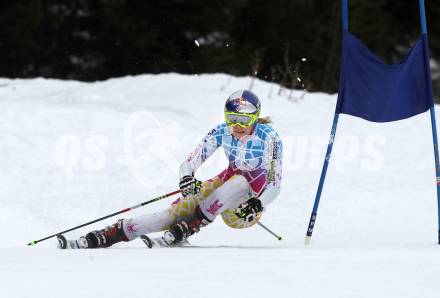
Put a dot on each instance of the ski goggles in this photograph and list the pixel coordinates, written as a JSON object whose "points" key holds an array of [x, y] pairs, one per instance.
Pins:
{"points": [[240, 119]]}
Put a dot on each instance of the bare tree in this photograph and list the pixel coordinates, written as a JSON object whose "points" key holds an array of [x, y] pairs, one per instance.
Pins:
{"points": [[272, 80], [331, 63], [256, 66], [226, 84]]}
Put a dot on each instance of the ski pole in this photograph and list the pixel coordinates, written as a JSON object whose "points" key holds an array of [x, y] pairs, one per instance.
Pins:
{"points": [[267, 229], [110, 215]]}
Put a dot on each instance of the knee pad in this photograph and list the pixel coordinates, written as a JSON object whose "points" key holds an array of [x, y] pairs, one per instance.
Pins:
{"points": [[184, 207], [233, 221]]}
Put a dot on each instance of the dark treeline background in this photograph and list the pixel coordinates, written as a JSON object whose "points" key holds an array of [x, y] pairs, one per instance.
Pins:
{"points": [[98, 39]]}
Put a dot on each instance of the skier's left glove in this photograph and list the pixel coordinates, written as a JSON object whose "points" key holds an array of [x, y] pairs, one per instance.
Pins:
{"points": [[249, 210]]}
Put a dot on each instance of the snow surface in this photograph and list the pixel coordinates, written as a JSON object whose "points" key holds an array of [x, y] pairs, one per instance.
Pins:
{"points": [[72, 151]]}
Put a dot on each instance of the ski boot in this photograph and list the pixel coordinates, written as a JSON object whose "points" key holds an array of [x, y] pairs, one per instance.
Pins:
{"points": [[105, 237], [182, 230]]}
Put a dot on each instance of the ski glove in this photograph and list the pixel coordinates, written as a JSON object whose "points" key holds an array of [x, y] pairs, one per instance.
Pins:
{"points": [[189, 185], [249, 210]]}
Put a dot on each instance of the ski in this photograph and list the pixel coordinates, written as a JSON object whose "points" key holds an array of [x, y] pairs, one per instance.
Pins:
{"points": [[150, 242], [64, 243], [159, 242]]}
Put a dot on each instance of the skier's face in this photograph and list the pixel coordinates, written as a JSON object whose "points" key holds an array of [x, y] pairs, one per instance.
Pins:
{"points": [[239, 132]]}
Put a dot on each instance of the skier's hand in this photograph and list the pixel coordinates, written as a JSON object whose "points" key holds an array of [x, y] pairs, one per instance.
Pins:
{"points": [[249, 210], [189, 185]]}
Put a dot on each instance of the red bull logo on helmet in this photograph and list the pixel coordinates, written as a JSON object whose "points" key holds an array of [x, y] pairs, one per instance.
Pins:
{"points": [[239, 103], [243, 101]]}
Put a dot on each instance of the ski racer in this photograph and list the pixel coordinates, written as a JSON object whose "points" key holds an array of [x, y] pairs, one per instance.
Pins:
{"points": [[238, 194]]}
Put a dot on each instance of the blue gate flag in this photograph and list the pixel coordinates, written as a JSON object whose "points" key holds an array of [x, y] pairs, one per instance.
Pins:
{"points": [[380, 92]]}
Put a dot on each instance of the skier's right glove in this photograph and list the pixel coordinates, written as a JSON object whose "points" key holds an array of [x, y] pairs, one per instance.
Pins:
{"points": [[189, 185]]}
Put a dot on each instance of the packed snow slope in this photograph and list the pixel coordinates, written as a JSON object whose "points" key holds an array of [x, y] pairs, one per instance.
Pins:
{"points": [[72, 152]]}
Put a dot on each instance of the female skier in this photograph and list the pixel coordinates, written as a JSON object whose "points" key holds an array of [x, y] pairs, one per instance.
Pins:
{"points": [[239, 193]]}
